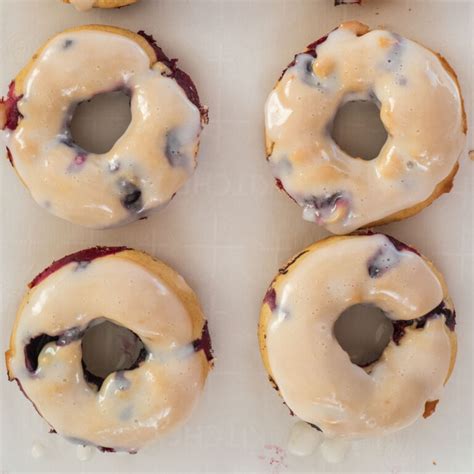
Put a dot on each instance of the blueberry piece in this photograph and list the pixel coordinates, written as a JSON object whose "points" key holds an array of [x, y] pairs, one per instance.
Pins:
{"points": [[82, 265], [70, 335], [131, 196], [325, 202], [67, 43], [173, 150], [33, 349], [382, 261], [270, 299]]}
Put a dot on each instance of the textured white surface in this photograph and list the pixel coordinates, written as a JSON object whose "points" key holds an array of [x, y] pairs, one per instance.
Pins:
{"points": [[303, 439], [229, 230]]}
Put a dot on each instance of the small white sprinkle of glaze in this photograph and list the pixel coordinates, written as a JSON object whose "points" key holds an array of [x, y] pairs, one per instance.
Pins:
{"points": [[84, 453], [304, 439], [37, 450], [334, 450]]}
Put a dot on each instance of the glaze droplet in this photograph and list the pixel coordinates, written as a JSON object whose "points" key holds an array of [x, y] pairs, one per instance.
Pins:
{"points": [[37, 450], [84, 453], [304, 439], [334, 450]]}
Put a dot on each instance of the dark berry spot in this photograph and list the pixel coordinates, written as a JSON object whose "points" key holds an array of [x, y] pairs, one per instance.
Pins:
{"points": [[70, 335], [174, 150], [399, 326], [108, 450], [82, 265], [384, 259], [67, 43], [11, 103], [131, 196], [33, 349], [36, 344], [270, 299], [10, 157], [204, 343]]}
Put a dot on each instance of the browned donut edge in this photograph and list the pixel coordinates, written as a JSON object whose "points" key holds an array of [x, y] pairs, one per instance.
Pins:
{"points": [[110, 3]]}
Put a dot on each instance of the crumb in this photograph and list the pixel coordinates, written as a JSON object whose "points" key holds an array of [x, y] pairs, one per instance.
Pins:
{"points": [[471, 155], [434, 463]]}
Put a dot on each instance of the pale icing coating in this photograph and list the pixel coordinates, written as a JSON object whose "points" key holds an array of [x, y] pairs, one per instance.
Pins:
{"points": [[334, 450], [303, 439], [132, 407], [82, 5], [420, 107], [148, 163], [314, 374]]}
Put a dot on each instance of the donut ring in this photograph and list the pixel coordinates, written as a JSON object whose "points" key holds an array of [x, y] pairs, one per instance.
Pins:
{"points": [[311, 371], [83, 5], [421, 108], [150, 161], [131, 407]]}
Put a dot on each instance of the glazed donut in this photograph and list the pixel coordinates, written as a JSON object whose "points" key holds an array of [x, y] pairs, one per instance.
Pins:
{"points": [[130, 407], [145, 167], [312, 372], [83, 5], [420, 106]]}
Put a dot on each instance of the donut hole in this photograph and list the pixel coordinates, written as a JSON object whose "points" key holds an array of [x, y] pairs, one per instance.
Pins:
{"points": [[108, 347], [358, 130], [98, 123], [363, 331]]}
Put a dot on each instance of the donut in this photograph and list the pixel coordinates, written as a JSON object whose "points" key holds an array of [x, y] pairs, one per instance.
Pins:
{"points": [[312, 372], [420, 106], [127, 408], [148, 163], [83, 5]]}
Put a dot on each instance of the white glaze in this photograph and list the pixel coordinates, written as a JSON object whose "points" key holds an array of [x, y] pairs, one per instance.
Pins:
{"points": [[334, 450], [83, 453], [89, 192], [37, 450], [82, 5], [304, 439], [421, 109], [159, 394], [315, 375]]}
